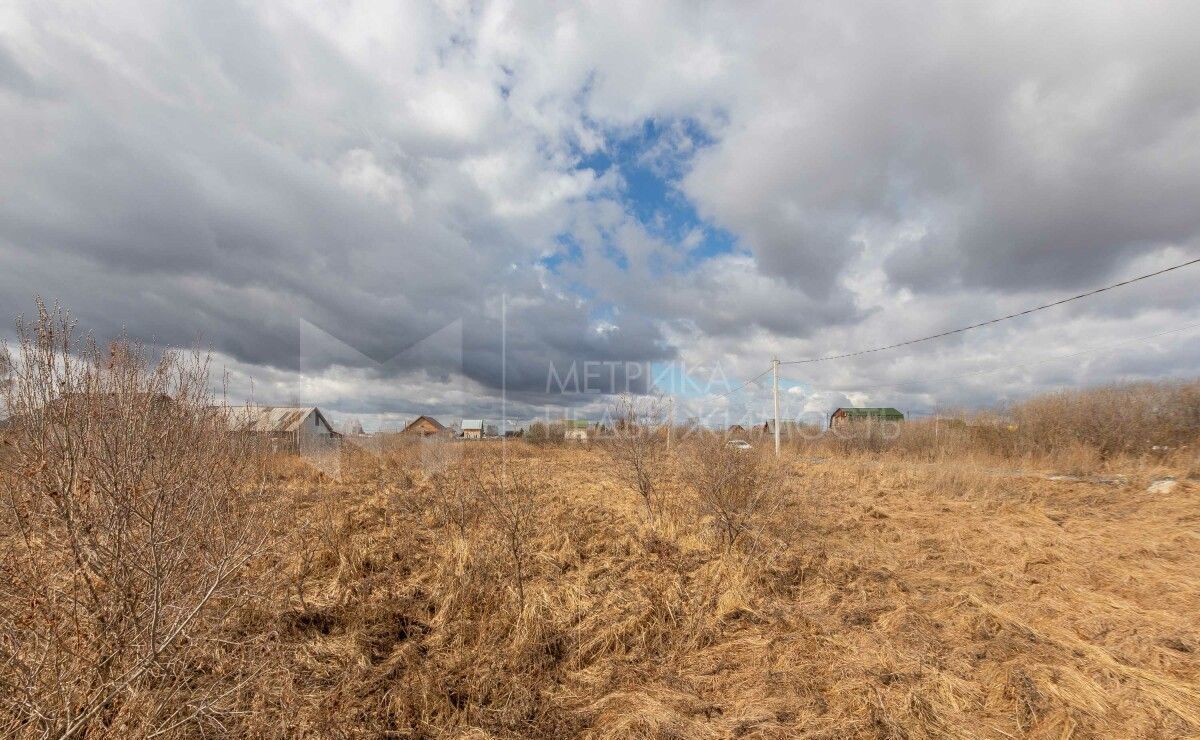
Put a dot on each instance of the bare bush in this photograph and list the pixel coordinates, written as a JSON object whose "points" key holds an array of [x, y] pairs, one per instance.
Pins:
{"points": [[454, 477], [1132, 418], [638, 444], [867, 435], [1077, 429], [5, 376], [543, 433], [126, 525], [738, 488], [514, 511]]}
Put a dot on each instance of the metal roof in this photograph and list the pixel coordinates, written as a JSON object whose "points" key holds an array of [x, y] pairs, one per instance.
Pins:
{"points": [[267, 419], [472, 424], [577, 423]]}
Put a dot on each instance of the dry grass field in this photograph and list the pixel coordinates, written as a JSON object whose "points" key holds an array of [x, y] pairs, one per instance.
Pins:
{"points": [[881, 599], [159, 578]]}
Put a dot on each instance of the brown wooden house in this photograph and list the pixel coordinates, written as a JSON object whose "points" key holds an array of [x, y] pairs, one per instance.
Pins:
{"points": [[424, 426]]}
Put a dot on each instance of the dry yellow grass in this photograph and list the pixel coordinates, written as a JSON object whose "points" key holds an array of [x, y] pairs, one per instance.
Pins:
{"points": [[883, 600]]}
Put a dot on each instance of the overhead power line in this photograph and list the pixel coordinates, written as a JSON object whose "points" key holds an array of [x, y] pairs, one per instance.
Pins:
{"points": [[993, 321], [743, 385], [1032, 363]]}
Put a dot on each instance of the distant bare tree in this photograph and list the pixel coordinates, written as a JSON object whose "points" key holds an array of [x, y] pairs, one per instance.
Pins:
{"points": [[638, 444], [125, 527]]}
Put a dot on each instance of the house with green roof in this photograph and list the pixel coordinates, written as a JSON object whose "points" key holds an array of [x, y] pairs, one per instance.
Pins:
{"points": [[850, 415]]}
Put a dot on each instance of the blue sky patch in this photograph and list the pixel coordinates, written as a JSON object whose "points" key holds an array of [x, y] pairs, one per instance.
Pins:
{"points": [[650, 160], [569, 251]]}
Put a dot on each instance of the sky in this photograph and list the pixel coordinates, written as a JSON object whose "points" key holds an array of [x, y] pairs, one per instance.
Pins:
{"points": [[518, 208]]}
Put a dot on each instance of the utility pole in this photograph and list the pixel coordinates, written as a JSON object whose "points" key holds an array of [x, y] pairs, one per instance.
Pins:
{"points": [[775, 387]]}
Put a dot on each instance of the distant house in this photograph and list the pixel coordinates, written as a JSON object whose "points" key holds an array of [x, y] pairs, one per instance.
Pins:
{"points": [[576, 429], [424, 426], [286, 428], [472, 428], [847, 415], [352, 428], [737, 430]]}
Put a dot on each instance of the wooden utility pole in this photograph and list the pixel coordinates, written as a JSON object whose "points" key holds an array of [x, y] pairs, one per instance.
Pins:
{"points": [[775, 387]]}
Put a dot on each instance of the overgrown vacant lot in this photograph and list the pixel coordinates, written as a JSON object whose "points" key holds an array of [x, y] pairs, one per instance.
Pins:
{"points": [[880, 599], [160, 577]]}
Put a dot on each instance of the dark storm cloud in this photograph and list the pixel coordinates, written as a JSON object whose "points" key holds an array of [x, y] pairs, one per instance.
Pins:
{"points": [[196, 186], [322, 194]]}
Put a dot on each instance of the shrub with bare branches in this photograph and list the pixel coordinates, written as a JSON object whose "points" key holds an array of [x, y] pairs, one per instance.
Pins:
{"points": [[1117, 419], [126, 524], [545, 433], [452, 475], [514, 511], [737, 487], [638, 444], [5, 373], [868, 435]]}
